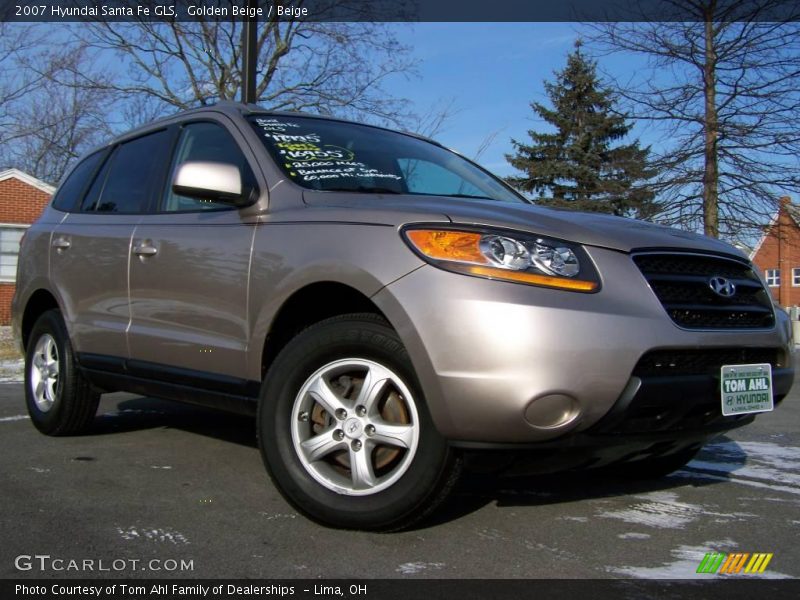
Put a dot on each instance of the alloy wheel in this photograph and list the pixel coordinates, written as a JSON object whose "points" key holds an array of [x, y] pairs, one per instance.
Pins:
{"points": [[44, 372], [355, 427]]}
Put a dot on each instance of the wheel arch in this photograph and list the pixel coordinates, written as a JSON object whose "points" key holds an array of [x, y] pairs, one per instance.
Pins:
{"points": [[303, 308], [37, 304]]}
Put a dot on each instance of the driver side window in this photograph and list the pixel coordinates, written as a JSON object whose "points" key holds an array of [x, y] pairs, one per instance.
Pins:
{"points": [[206, 142]]}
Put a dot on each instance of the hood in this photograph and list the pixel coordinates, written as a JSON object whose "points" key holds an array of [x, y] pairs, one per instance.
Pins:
{"points": [[592, 229]]}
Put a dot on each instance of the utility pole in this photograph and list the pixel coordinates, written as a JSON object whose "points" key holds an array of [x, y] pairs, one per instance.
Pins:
{"points": [[250, 54]]}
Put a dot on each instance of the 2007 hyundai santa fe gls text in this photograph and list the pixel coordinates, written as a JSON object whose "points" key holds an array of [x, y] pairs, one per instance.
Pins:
{"points": [[385, 307]]}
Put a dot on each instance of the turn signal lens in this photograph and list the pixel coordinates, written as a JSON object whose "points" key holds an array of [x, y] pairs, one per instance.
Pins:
{"points": [[576, 285], [521, 259], [448, 245]]}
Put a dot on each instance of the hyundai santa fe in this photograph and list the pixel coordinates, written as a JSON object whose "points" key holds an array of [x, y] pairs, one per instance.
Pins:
{"points": [[385, 308]]}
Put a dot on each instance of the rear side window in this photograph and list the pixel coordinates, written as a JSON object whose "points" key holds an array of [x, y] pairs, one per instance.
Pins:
{"points": [[126, 183], [92, 196], [72, 189]]}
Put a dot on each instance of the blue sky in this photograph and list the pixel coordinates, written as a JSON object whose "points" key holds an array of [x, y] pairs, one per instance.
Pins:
{"points": [[492, 71]]}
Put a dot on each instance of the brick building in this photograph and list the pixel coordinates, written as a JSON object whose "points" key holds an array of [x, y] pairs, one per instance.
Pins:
{"points": [[777, 254], [22, 199]]}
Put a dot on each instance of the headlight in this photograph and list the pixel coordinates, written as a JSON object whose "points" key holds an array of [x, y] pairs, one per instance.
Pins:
{"points": [[517, 257]]}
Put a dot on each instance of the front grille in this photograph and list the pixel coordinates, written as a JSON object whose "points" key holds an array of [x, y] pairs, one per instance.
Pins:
{"points": [[682, 284], [703, 415], [658, 363]]}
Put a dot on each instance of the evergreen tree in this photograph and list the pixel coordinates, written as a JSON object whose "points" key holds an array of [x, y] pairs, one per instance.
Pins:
{"points": [[577, 167]]}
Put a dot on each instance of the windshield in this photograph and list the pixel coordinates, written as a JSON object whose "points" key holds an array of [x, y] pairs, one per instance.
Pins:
{"points": [[334, 156]]}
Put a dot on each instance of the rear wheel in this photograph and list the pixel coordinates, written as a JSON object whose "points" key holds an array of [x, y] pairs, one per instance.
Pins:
{"points": [[345, 432], [59, 400]]}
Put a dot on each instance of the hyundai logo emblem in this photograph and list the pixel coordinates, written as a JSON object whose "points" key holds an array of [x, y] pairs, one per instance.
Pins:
{"points": [[722, 287], [353, 428]]}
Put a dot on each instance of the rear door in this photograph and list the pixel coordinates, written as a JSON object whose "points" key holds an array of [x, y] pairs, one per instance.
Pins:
{"points": [[189, 274], [90, 248]]}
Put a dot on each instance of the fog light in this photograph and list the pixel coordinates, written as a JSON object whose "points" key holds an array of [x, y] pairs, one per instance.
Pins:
{"points": [[552, 410]]}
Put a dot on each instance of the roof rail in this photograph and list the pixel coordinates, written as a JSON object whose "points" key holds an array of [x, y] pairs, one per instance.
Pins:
{"points": [[237, 104]]}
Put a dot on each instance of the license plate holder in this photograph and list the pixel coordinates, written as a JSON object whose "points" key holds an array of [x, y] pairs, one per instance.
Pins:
{"points": [[746, 389]]}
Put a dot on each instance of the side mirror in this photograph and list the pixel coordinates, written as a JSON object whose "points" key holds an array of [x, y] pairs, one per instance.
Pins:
{"points": [[220, 182]]}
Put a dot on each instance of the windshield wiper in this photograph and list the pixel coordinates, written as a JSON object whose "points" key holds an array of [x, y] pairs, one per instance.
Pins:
{"points": [[474, 197], [363, 189]]}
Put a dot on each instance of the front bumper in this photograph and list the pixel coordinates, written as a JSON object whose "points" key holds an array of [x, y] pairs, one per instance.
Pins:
{"points": [[496, 360], [678, 404]]}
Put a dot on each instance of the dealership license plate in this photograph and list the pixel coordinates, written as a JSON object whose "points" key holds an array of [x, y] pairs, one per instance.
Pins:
{"points": [[746, 389]]}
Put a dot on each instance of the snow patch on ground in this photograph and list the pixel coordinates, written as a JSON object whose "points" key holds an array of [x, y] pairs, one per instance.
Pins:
{"points": [[659, 509], [490, 534], [155, 535], [12, 370], [273, 517], [634, 536], [12, 366], [763, 465], [769, 499], [412, 568], [662, 510], [553, 551]]}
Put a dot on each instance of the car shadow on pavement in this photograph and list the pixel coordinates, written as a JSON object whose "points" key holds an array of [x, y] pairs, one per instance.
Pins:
{"points": [[477, 490], [474, 491], [149, 413]]}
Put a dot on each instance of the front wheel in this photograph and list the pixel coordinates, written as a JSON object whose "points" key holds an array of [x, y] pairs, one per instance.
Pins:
{"points": [[345, 432]]}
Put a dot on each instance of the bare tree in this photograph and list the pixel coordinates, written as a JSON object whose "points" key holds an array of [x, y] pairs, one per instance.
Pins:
{"points": [[722, 86], [486, 143], [433, 121], [79, 76], [52, 130], [323, 67], [51, 119], [16, 41]]}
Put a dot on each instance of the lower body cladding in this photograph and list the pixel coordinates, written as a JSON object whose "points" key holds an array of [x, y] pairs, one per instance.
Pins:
{"points": [[513, 366]]}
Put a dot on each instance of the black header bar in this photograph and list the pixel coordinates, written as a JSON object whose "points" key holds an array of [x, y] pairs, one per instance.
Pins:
{"points": [[398, 10], [705, 587]]}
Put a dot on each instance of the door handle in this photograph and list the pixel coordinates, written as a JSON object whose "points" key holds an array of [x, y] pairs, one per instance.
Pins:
{"points": [[144, 250], [61, 243]]}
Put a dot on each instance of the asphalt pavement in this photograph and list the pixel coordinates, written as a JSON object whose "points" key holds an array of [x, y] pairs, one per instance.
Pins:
{"points": [[162, 489]]}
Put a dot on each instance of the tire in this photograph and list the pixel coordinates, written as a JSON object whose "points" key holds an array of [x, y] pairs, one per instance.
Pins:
{"points": [[59, 400], [657, 467], [312, 391]]}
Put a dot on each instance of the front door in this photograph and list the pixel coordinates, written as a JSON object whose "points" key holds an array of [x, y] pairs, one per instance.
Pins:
{"points": [[189, 274]]}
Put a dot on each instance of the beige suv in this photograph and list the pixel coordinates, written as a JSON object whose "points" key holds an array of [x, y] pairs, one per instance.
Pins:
{"points": [[385, 307]]}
